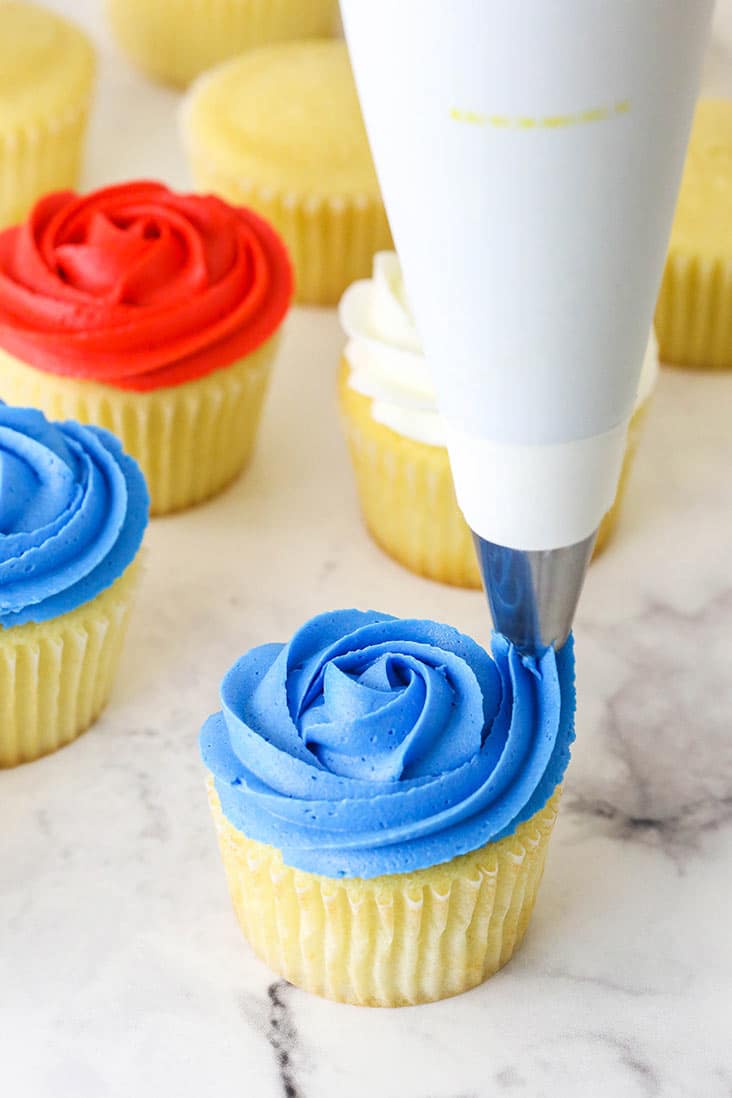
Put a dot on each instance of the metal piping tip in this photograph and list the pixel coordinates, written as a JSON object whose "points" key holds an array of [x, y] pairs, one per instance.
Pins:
{"points": [[533, 594]]}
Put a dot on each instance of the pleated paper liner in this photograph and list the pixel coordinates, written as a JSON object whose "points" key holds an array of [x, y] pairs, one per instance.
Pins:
{"points": [[407, 495], [635, 431], [190, 440], [38, 158], [331, 239], [391, 941], [694, 312], [56, 676], [175, 40]]}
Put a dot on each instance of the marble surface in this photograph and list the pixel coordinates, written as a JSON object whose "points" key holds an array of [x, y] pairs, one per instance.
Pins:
{"points": [[122, 971]]}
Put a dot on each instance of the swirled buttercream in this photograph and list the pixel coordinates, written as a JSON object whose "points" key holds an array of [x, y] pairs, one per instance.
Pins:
{"points": [[73, 510], [138, 287], [370, 745], [385, 357]]}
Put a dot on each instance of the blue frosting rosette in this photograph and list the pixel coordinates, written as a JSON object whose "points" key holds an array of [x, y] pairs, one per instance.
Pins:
{"points": [[372, 745], [73, 511]]}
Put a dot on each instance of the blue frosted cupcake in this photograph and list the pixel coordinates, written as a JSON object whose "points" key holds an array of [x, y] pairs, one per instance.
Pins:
{"points": [[384, 793], [73, 511]]}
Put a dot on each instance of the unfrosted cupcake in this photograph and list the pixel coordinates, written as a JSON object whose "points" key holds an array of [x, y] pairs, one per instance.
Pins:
{"points": [[175, 40], [153, 314], [73, 510], [280, 130], [384, 793], [396, 437], [46, 82], [694, 313]]}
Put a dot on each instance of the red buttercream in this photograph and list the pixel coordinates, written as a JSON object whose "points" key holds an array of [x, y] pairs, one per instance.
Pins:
{"points": [[138, 287]]}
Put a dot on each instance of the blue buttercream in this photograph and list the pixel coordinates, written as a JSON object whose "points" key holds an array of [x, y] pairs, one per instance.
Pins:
{"points": [[372, 745], [73, 510]]}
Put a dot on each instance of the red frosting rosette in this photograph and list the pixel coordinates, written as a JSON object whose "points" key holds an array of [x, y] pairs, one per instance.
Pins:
{"points": [[138, 287]]}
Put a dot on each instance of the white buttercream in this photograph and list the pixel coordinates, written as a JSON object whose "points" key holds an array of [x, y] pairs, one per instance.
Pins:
{"points": [[386, 360]]}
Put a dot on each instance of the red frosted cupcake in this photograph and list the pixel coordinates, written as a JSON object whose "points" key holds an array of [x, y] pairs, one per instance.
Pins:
{"points": [[153, 314]]}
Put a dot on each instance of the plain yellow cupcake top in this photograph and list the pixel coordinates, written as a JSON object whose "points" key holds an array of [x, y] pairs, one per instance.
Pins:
{"points": [[285, 117], [46, 65], [703, 223]]}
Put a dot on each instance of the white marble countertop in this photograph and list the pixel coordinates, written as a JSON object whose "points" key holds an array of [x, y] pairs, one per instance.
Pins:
{"points": [[122, 970]]}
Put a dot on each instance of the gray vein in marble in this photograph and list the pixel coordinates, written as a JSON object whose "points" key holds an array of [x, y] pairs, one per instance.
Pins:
{"points": [[657, 775], [156, 823], [509, 1078], [283, 1038], [725, 1077], [607, 984], [328, 567], [675, 838], [462, 1094], [641, 1068], [620, 1049], [44, 823]]}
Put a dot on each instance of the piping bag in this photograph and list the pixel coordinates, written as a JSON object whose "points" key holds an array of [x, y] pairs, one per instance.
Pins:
{"points": [[529, 154]]}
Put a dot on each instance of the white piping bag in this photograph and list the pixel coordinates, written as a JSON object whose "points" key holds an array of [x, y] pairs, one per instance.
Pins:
{"points": [[529, 154]]}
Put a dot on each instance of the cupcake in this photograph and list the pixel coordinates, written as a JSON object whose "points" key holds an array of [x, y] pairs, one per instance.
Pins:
{"points": [[46, 81], [280, 130], [73, 510], [384, 793], [694, 313], [153, 314], [396, 438], [175, 40]]}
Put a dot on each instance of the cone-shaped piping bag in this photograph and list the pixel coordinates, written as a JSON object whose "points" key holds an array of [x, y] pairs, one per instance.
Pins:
{"points": [[529, 156]]}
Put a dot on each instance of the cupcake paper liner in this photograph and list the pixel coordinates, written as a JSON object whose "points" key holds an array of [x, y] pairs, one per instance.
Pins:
{"points": [[331, 239], [407, 495], [390, 941], [175, 40], [56, 676], [190, 440], [694, 312], [609, 522], [39, 158]]}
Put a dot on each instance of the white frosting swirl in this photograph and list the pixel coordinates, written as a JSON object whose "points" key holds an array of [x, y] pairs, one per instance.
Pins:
{"points": [[386, 361]]}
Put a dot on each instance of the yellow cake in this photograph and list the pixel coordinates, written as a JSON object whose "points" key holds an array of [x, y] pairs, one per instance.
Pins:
{"points": [[694, 313], [382, 834], [56, 676], [46, 80], [74, 511], [395, 438], [175, 40], [175, 362], [191, 440], [280, 130], [395, 940]]}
